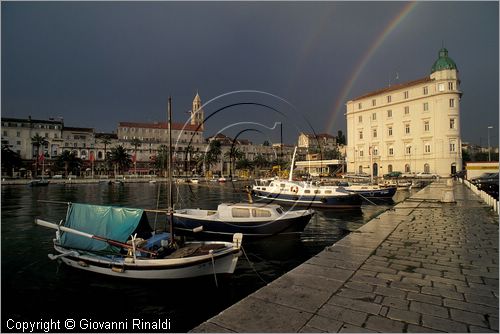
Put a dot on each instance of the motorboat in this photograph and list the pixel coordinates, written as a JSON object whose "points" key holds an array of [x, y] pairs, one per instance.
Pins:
{"points": [[304, 193], [249, 219]]}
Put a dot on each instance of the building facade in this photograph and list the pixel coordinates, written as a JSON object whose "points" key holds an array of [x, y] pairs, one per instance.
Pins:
{"points": [[410, 127]]}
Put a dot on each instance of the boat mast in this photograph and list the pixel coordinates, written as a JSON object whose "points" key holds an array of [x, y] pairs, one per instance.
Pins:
{"points": [[169, 166], [293, 162]]}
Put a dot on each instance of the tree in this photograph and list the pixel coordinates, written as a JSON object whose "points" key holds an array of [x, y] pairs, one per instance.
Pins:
{"points": [[260, 161], [135, 142], [234, 154], [69, 161], [340, 138], [10, 160], [214, 151], [106, 140], [38, 141], [266, 143], [162, 158], [120, 158]]}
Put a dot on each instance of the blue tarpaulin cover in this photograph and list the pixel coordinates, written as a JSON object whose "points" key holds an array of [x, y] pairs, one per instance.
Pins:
{"points": [[116, 223]]}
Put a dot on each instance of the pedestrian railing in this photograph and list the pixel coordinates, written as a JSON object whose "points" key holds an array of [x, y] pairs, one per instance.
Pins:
{"points": [[487, 198]]}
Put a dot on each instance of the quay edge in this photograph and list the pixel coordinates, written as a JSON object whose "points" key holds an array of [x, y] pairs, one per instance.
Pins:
{"points": [[421, 266]]}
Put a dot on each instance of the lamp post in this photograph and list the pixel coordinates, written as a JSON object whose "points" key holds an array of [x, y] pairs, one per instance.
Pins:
{"points": [[489, 149]]}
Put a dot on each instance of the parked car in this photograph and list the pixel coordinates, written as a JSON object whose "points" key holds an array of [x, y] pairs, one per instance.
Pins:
{"points": [[392, 175], [485, 178], [424, 175]]}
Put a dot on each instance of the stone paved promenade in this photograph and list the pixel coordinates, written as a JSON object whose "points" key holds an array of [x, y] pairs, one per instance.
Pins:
{"points": [[423, 266]]}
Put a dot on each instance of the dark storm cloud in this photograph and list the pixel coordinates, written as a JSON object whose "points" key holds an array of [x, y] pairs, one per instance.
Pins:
{"points": [[97, 64]]}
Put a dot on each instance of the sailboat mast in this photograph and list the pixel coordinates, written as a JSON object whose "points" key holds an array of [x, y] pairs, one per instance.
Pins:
{"points": [[169, 166], [293, 162]]}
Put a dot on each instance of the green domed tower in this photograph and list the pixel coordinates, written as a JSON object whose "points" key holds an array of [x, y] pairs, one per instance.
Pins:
{"points": [[444, 62]]}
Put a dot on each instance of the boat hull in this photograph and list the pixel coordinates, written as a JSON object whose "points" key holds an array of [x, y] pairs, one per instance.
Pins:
{"points": [[375, 193], [222, 263], [344, 201], [291, 225]]}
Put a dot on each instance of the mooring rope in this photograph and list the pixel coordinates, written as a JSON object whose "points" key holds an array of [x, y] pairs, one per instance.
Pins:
{"points": [[251, 265], [213, 267]]}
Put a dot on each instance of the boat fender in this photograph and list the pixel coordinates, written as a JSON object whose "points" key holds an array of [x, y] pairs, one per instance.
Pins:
{"points": [[117, 269], [294, 189], [83, 264]]}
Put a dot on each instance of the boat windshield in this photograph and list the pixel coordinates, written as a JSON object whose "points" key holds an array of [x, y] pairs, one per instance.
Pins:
{"points": [[279, 210]]}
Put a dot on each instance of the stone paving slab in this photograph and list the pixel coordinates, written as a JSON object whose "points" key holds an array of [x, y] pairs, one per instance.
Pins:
{"points": [[422, 266]]}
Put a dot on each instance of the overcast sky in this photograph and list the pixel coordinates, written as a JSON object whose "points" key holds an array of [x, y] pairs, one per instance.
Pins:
{"points": [[100, 63]]}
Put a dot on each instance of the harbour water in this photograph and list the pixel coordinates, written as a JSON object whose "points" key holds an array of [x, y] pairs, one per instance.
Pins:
{"points": [[35, 288]]}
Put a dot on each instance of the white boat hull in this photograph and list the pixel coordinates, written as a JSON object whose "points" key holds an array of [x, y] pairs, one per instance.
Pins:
{"points": [[224, 263]]}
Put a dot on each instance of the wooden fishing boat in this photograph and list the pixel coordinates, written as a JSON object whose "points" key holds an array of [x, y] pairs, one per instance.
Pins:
{"points": [[118, 241]]}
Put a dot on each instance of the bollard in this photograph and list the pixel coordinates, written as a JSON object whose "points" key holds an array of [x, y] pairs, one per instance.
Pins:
{"points": [[447, 196], [449, 182]]}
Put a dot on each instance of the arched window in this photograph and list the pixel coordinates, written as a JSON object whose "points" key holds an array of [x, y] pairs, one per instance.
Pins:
{"points": [[360, 169], [99, 155], [389, 168], [427, 168], [407, 168]]}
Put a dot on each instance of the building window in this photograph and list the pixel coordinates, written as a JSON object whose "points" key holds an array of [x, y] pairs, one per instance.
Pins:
{"points": [[407, 110], [407, 129], [18, 134], [441, 87], [452, 123], [5, 133], [450, 85], [375, 151], [374, 133], [406, 94], [389, 168], [389, 131], [374, 102], [426, 126], [426, 106], [360, 134], [452, 103], [389, 99], [360, 119], [408, 149], [427, 168], [427, 148], [18, 142], [374, 116], [389, 113], [452, 147], [426, 90], [391, 150], [360, 153], [407, 168], [359, 105]]}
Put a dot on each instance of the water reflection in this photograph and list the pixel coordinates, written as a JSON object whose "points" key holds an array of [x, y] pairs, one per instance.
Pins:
{"points": [[35, 287]]}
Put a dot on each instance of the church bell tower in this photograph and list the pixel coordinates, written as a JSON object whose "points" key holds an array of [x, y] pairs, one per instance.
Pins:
{"points": [[197, 115]]}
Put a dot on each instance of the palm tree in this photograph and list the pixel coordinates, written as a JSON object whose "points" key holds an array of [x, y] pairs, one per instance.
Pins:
{"points": [[10, 160], [135, 142], [38, 141], [189, 155], [120, 158], [161, 158], [69, 160], [260, 161], [106, 140], [214, 151], [234, 155]]}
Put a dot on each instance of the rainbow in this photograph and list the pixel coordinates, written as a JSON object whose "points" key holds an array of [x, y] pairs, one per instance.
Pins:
{"points": [[338, 107]]}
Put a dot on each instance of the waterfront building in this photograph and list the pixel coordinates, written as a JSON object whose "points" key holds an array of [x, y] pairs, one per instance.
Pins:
{"points": [[17, 134], [409, 127], [323, 141]]}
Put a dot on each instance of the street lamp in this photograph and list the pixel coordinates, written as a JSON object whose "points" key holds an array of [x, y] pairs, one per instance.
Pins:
{"points": [[489, 150]]}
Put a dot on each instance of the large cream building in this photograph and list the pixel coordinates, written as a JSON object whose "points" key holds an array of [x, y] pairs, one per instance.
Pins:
{"points": [[410, 127]]}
